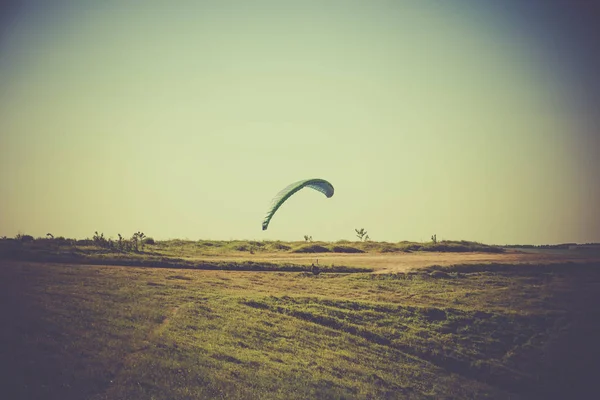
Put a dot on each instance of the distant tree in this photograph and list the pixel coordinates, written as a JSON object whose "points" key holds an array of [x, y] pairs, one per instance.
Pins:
{"points": [[361, 233], [49, 236], [135, 241], [98, 238], [308, 238], [434, 239], [141, 238]]}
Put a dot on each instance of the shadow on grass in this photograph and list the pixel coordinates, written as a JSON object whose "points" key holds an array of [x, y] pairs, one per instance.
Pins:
{"points": [[566, 365], [36, 356]]}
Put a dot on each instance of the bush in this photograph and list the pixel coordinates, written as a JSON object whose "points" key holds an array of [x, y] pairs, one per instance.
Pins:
{"points": [[346, 249], [149, 240], [311, 248], [279, 246], [461, 246], [24, 238], [391, 249], [410, 247]]}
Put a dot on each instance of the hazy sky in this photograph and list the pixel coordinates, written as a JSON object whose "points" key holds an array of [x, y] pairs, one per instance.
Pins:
{"points": [[468, 119]]}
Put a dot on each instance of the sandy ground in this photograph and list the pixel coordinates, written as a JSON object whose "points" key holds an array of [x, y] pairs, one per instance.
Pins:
{"points": [[399, 262]]}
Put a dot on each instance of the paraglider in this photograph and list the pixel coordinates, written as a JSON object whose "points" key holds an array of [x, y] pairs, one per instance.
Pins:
{"points": [[319, 185]]}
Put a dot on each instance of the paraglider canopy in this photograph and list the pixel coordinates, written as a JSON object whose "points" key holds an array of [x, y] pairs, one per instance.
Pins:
{"points": [[319, 185]]}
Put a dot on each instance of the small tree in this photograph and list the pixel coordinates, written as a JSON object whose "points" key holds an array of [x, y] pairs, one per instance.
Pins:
{"points": [[49, 236], [434, 239], [141, 238], [361, 233], [100, 240], [135, 241], [307, 238]]}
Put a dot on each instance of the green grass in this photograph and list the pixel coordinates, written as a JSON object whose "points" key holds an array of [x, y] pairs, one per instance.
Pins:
{"points": [[473, 331], [197, 254]]}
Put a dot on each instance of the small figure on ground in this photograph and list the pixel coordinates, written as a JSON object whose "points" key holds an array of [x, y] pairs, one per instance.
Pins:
{"points": [[315, 269]]}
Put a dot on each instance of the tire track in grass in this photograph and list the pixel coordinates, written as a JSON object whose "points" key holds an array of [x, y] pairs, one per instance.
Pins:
{"points": [[160, 328], [129, 359]]}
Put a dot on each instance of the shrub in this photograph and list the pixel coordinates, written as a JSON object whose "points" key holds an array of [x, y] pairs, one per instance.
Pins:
{"points": [[311, 248], [346, 249], [149, 241], [461, 246], [24, 238], [279, 246], [410, 247], [391, 249], [100, 240]]}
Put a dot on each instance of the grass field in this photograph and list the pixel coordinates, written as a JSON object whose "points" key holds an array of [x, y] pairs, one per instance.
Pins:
{"points": [[490, 330], [240, 255]]}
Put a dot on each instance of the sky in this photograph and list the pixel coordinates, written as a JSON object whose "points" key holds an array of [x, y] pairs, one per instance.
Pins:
{"points": [[471, 120]]}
